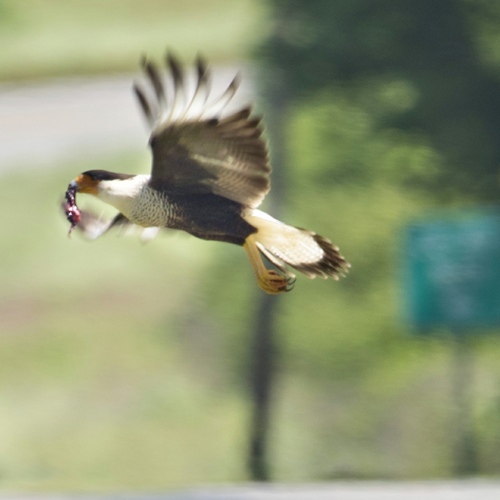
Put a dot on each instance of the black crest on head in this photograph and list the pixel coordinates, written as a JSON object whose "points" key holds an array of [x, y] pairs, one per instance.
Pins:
{"points": [[105, 175]]}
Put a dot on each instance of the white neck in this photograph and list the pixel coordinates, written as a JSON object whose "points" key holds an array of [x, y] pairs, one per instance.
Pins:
{"points": [[121, 193]]}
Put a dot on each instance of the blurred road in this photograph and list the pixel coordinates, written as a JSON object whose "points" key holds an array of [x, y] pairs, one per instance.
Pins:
{"points": [[46, 123], [369, 490]]}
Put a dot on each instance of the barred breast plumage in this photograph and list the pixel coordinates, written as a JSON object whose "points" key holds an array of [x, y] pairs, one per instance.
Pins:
{"points": [[153, 208]]}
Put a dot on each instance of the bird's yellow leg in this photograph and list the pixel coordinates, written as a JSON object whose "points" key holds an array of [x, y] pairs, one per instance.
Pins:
{"points": [[268, 279]]}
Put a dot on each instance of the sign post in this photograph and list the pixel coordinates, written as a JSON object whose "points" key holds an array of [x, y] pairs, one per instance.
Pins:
{"points": [[452, 280]]}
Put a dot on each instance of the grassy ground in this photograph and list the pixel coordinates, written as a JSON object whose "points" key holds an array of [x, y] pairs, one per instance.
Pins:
{"points": [[89, 36]]}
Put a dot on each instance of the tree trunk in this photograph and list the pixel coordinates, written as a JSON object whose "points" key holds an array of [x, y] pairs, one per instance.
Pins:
{"points": [[264, 352]]}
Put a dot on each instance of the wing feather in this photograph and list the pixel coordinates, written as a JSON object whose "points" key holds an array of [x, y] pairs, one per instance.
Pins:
{"points": [[145, 104], [155, 79], [195, 148]]}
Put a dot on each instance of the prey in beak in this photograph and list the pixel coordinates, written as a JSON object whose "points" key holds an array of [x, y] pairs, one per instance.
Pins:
{"points": [[88, 183], [84, 183], [70, 207]]}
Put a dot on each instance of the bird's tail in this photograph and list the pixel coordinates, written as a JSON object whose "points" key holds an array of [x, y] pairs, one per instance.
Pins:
{"points": [[305, 251]]}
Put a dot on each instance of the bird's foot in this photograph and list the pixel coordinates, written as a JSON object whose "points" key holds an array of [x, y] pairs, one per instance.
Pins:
{"points": [[268, 280], [273, 283]]}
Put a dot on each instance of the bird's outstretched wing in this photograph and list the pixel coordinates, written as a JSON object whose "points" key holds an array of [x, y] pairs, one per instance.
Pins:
{"points": [[195, 148], [92, 226]]}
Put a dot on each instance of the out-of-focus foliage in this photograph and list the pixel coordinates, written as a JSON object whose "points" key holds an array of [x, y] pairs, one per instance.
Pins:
{"points": [[440, 59]]}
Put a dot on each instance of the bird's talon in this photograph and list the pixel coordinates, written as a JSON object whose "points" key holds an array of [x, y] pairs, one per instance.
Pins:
{"points": [[291, 283], [273, 283]]}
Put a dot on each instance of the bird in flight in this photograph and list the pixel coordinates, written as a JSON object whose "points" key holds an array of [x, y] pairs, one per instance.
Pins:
{"points": [[210, 171]]}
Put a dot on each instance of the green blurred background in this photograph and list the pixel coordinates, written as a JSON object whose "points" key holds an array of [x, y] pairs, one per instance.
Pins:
{"points": [[126, 366]]}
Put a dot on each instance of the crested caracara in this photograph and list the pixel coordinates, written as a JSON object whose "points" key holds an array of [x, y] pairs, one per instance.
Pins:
{"points": [[210, 172]]}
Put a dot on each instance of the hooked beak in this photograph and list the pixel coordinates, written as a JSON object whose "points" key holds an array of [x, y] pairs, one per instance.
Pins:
{"points": [[84, 184]]}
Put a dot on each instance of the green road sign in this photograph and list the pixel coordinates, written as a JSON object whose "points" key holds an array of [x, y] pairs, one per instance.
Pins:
{"points": [[453, 271]]}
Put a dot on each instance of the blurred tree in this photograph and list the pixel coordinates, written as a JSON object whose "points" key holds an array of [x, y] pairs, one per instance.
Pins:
{"points": [[264, 352], [431, 49]]}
